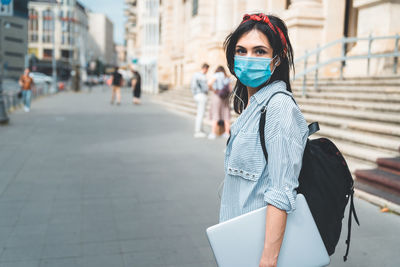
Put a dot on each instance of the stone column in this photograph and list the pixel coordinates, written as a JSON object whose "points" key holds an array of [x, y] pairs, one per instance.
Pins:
{"points": [[256, 6], [378, 18], [305, 22], [333, 29], [224, 23], [276, 7]]}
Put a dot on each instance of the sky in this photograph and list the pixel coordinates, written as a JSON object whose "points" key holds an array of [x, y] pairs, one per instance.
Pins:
{"points": [[114, 9]]}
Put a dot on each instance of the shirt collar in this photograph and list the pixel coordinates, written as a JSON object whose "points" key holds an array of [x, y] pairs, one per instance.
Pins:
{"points": [[264, 93]]}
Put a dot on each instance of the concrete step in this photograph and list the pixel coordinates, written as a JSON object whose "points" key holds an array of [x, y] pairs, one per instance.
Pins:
{"points": [[350, 89], [360, 152], [357, 124], [381, 177], [370, 97], [388, 117], [359, 137], [392, 80], [352, 105], [378, 190], [391, 163]]}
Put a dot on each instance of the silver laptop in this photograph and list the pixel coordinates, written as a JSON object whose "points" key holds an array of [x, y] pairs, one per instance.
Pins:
{"points": [[239, 242]]}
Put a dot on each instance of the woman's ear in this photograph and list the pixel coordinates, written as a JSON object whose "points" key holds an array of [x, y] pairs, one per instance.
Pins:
{"points": [[277, 61]]}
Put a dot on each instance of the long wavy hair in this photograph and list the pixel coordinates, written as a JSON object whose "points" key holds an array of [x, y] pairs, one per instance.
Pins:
{"points": [[285, 54]]}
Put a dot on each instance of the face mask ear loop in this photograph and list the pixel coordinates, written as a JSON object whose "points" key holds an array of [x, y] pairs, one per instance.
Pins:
{"points": [[235, 95]]}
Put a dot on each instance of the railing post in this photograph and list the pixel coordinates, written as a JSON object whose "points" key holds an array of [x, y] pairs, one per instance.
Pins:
{"points": [[305, 74], [369, 52], [396, 50], [343, 56], [316, 70]]}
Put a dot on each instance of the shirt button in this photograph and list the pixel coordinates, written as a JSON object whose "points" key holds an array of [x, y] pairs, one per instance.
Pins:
{"points": [[241, 171]]}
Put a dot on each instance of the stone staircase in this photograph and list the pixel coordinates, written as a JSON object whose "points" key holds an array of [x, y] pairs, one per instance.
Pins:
{"points": [[360, 115]]}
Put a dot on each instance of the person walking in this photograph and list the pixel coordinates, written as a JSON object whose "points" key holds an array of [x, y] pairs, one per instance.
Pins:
{"points": [[220, 110], [199, 89], [116, 84], [26, 83], [260, 55], [136, 84]]}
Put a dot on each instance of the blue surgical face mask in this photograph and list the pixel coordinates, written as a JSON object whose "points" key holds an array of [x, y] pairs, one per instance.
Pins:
{"points": [[253, 71]]}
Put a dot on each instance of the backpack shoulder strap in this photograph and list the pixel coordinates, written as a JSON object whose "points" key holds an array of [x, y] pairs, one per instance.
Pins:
{"points": [[312, 127]]}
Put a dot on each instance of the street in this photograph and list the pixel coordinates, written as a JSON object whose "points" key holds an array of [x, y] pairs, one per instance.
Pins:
{"points": [[86, 183]]}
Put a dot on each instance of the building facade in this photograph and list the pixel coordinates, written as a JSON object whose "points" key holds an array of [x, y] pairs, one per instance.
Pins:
{"points": [[142, 37], [59, 27], [101, 39], [13, 38], [192, 32], [121, 54], [131, 45]]}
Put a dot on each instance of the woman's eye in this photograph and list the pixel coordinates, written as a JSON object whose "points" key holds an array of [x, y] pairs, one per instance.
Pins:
{"points": [[240, 51], [260, 52]]}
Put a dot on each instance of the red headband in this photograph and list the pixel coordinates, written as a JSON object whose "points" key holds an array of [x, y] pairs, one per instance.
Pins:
{"points": [[264, 18]]}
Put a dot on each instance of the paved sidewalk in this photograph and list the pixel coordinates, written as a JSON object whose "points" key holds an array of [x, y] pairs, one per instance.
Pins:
{"points": [[84, 183]]}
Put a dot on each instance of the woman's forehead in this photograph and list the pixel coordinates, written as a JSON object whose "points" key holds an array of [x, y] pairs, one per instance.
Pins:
{"points": [[253, 38]]}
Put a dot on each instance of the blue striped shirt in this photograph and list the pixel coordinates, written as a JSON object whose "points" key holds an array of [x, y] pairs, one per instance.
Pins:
{"points": [[250, 183]]}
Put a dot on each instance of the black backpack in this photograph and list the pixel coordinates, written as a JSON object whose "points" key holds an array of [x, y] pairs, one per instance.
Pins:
{"points": [[326, 183]]}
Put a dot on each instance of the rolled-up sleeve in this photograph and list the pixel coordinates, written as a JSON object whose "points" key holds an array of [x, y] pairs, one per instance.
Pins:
{"points": [[286, 136]]}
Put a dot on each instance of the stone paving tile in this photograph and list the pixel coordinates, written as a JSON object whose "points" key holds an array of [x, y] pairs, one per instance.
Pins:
{"points": [[114, 260], [140, 245], [101, 248], [62, 238], [20, 264], [66, 262], [61, 251], [144, 258], [21, 253]]}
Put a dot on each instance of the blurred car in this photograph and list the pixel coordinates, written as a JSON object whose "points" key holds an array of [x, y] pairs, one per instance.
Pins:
{"points": [[39, 77]]}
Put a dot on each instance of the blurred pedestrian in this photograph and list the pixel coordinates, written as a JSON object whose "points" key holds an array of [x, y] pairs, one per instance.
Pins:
{"points": [[199, 89], [221, 87], [136, 84], [260, 56], [26, 83], [116, 84]]}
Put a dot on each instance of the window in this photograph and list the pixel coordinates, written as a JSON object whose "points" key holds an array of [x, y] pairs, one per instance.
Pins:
{"points": [[47, 26], [47, 53], [195, 7], [33, 25], [66, 54]]}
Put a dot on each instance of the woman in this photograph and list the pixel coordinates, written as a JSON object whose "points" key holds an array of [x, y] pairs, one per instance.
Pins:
{"points": [[136, 87], [219, 103], [259, 55]]}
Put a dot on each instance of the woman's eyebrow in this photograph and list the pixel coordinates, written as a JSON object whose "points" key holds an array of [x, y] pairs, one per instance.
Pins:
{"points": [[261, 46]]}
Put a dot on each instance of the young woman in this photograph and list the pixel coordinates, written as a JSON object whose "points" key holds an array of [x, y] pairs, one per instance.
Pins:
{"points": [[136, 85], [259, 55], [219, 105]]}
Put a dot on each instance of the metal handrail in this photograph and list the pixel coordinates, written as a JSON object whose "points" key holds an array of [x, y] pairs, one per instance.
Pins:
{"points": [[343, 58]]}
